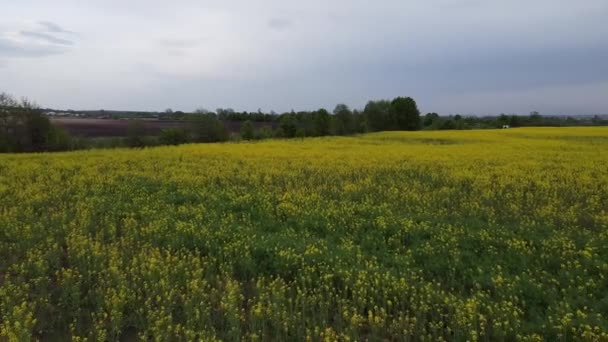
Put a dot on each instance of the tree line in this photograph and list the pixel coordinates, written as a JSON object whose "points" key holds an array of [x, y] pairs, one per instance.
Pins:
{"points": [[25, 128], [203, 126]]}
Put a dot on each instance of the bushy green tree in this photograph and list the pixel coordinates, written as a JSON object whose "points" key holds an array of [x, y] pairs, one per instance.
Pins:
{"points": [[288, 125], [173, 136], [515, 121], [322, 121], [377, 114], [343, 119], [359, 122], [247, 130], [206, 127], [23, 126], [265, 132], [59, 139], [535, 117], [430, 119], [405, 114], [300, 133]]}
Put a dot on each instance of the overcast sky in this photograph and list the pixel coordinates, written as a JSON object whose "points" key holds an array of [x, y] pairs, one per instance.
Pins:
{"points": [[452, 56]]}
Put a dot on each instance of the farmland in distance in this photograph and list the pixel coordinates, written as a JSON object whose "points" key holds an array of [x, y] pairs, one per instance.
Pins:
{"points": [[99, 128]]}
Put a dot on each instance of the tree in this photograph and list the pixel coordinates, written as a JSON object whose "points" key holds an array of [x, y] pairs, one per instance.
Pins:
{"points": [[288, 125], [8, 123], [23, 126], [596, 120], [377, 114], [322, 122], [247, 130], [38, 127], [202, 110], [502, 120], [405, 114], [59, 139], [535, 118], [178, 115], [173, 136], [447, 124], [430, 119], [264, 133], [135, 133], [343, 120], [514, 121], [207, 128], [306, 123], [300, 133]]}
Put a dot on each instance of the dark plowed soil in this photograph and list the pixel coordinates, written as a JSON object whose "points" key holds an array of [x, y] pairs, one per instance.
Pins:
{"points": [[119, 128]]}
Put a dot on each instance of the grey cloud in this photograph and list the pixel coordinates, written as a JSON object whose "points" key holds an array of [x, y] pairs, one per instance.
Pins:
{"points": [[44, 40], [179, 43], [46, 37], [176, 53], [10, 48], [53, 27], [179, 47], [279, 24], [500, 72], [488, 71], [339, 51]]}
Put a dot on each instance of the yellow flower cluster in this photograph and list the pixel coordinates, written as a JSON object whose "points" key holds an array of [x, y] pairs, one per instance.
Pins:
{"points": [[492, 235]]}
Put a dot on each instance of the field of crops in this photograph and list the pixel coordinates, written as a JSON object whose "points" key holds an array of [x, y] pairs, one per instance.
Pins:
{"points": [[490, 235]]}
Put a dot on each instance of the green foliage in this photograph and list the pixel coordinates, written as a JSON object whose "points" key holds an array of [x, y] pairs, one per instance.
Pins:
{"points": [[378, 115], [404, 114], [24, 128], [343, 120], [322, 122], [247, 131], [135, 134], [173, 136], [535, 117], [59, 139], [430, 119], [300, 133], [360, 123], [110, 142], [38, 127], [514, 121], [265, 132], [207, 128], [288, 125]]}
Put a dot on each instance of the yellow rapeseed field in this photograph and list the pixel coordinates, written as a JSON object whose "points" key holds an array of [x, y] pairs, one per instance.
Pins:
{"points": [[488, 235]]}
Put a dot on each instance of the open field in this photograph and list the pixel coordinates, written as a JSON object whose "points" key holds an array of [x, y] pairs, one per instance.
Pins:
{"points": [[110, 128], [494, 235]]}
